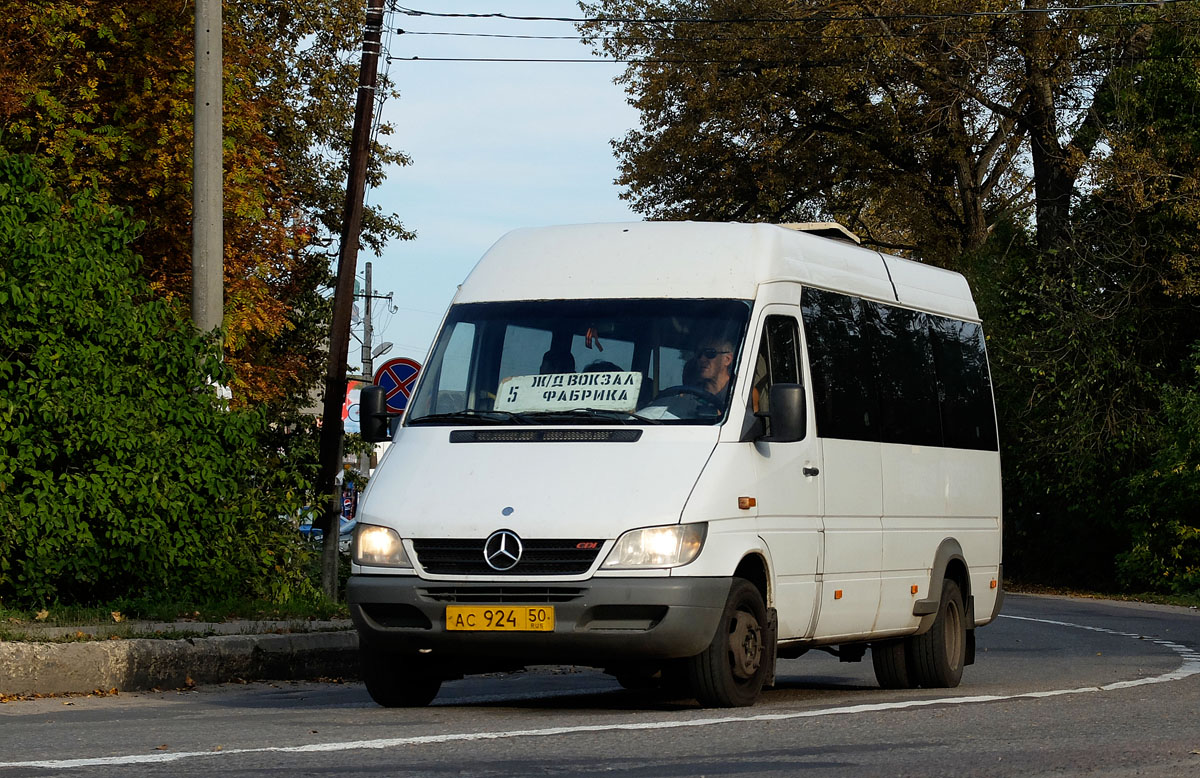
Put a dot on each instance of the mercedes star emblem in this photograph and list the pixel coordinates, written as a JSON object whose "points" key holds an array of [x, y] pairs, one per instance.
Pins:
{"points": [[502, 550]]}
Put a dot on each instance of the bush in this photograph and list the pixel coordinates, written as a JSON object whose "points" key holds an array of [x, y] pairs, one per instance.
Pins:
{"points": [[1165, 554], [122, 474]]}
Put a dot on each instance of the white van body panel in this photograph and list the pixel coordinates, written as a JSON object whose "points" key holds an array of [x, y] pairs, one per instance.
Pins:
{"points": [[615, 492], [696, 260]]}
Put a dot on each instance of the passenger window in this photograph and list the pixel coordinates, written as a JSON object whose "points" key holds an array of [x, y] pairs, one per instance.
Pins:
{"points": [[964, 388], [845, 390], [908, 397], [891, 374]]}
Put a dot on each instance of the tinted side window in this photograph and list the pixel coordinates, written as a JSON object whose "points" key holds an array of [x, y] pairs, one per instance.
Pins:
{"points": [[783, 339], [903, 356], [843, 373], [778, 360], [964, 386]]}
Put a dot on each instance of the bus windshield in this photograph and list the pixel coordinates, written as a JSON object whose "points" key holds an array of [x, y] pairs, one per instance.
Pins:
{"points": [[583, 361]]}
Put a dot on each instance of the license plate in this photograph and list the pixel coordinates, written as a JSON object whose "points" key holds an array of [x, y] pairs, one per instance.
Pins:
{"points": [[500, 618]]}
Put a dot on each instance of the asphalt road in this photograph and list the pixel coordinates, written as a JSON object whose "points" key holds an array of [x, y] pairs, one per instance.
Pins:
{"points": [[1061, 687]]}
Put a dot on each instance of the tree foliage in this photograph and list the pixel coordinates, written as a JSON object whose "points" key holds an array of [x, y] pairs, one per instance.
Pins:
{"points": [[1050, 153], [1164, 552], [121, 473], [921, 124], [101, 90]]}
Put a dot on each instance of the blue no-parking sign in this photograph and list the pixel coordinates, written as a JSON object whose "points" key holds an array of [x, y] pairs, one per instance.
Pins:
{"points": [[396, 377]]}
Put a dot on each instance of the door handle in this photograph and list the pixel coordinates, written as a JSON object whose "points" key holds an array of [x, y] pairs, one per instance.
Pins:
{"points": [[810, 470]]}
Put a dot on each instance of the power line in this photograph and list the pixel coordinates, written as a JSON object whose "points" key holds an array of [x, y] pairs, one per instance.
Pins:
{"points": [[548, 60], [789, 20], [493, 35], [790, 63], [815, 35]]}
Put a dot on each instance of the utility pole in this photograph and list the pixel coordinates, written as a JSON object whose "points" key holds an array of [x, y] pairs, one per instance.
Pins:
{"points": [[208, 304], [343, 301], [368, 350], [368, 362]]}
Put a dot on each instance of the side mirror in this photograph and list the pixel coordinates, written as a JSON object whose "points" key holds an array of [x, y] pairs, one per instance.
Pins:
{"points": [[788, 415], [373, 415]]}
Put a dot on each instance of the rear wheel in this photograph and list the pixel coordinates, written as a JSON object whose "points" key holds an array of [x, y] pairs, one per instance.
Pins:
{"points": [[891, 664], [731, 671], [936, 658], [398, 679]]}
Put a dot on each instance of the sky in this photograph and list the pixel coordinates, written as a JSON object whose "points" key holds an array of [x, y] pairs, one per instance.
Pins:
{"points": [[494, 146]]}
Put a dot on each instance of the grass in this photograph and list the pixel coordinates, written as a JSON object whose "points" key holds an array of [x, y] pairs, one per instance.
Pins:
{"points": [[150, 610], [1184, 600]]}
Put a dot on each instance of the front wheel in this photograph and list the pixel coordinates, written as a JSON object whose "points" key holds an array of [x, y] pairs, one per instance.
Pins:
{"points": [[397, 679], [936, 658], [731, 671]]}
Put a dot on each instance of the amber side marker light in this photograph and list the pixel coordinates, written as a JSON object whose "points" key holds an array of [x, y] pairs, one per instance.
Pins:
{"points": [[746, 503], [993, 586], [915, 588], [837, 594]]}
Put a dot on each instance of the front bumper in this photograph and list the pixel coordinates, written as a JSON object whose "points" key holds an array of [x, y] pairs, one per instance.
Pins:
{"points": [[600, 622]]}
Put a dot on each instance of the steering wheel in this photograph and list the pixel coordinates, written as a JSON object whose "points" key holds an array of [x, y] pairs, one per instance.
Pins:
{"points": [[695, 391]]}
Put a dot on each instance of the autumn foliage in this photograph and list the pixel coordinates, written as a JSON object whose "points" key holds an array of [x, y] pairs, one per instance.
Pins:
{"points": [[101, 92]]}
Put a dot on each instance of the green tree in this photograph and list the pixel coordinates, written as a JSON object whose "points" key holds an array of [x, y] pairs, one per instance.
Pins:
{"points": [[1092, 343], [121, 474], [1163, 553]]}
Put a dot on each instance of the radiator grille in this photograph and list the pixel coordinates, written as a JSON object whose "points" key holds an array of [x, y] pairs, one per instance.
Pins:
{"points": [[540, 557]]}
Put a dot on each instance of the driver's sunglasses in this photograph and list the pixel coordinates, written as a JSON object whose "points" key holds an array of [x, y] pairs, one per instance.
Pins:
{"points": [[710, 353]]}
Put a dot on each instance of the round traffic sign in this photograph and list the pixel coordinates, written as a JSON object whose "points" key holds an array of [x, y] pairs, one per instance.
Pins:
{"points": [[396, 377]]}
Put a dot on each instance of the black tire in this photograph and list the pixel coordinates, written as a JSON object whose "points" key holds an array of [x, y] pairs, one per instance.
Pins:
{"points": [[936, 658], [730, 672], [891, 664], [397, 679]]}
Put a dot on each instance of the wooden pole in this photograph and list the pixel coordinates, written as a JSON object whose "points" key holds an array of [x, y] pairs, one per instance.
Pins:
{"points": [[343, 301]]}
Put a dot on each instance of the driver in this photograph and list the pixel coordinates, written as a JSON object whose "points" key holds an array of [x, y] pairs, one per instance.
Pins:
{"points": [[714, 362]]}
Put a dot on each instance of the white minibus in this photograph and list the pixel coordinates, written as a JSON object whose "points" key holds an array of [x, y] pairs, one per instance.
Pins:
{"points": [[676, 452]]}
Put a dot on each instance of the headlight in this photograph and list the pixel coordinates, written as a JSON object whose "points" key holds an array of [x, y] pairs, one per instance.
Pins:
{"points": [[670, 546], [378, 547]]}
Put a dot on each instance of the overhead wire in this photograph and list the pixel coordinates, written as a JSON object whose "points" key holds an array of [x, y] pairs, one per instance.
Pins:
{"points": [[790, 20], [815, 35], [740, 61]]}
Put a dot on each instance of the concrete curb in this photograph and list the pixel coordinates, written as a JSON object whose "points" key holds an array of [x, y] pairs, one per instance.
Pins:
{"points": [[141, 664]]}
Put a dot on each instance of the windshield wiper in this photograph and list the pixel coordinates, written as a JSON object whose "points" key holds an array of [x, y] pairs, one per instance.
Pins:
{"points": [[472, 416], [622, 417]]}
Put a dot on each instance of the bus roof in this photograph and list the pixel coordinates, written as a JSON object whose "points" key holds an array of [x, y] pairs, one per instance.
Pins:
{"points": [[700, 260]]}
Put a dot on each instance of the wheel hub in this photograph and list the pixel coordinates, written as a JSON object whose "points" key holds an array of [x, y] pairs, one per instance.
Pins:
{"points": [[745, 645]]}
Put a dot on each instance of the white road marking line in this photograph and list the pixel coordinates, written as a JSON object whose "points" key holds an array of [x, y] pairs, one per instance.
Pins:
{"points": [[1188, 667]]}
